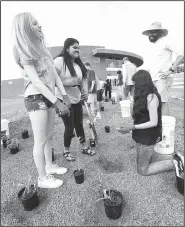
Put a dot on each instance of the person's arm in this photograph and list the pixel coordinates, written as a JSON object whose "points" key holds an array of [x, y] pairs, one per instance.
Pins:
{"points": [[39, 85], [153, 114], [175, 50], [92, 78]]}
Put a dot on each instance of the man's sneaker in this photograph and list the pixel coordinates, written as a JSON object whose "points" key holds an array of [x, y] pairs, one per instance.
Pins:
{"points": [[49, 182], [56, 169], [98, 116]]}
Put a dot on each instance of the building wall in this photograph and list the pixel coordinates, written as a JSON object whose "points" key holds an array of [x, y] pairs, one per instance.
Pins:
{"points": [[97, 64]]}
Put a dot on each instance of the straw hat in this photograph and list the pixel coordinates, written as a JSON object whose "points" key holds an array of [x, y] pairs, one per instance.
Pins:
{"points": [[156, 26]]}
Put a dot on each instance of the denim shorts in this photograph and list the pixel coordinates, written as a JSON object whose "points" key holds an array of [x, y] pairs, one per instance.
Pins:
{"points": [[37, 102]]}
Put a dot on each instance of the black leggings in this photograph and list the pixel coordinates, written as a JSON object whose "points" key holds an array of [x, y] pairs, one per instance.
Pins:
{"points": [[75, 120], [108, 90]]}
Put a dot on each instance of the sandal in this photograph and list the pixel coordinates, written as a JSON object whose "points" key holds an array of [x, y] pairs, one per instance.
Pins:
{"points": [[67, 155], [88, 151]]}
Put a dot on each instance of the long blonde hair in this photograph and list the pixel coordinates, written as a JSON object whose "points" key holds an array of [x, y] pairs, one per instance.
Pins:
{"points": [[26, 44]]}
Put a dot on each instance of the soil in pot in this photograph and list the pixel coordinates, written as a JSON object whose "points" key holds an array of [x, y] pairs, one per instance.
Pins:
{"points": [[180, 183], [107, 129], [113, 207], [14, 150], [25, 134], [29, 201], [79, 176]]}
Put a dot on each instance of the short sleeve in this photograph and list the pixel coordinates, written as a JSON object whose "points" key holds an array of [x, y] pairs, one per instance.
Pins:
{"points": [[58, 63]]}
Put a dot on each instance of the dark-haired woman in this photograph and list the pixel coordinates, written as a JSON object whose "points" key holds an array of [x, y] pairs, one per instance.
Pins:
{"points": [[72, 73], [147, 127]]}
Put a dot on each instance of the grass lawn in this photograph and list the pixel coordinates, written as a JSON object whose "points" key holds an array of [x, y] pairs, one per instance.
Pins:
{"points": [[148, 201]]}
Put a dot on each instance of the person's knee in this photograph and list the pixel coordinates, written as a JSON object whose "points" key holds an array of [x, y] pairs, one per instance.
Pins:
{"points": [[142, 170], [40, 142]]}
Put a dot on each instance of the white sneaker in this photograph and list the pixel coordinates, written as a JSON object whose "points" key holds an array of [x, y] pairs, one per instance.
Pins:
{"points": [[49, 182], [98, 116], [56, 169]]}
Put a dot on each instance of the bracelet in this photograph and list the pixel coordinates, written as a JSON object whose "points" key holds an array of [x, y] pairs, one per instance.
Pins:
{"points": [[171, 69]]}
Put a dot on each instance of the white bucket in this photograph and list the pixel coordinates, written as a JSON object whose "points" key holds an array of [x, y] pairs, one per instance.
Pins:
{"points": [[166, 146], [125, 108]]}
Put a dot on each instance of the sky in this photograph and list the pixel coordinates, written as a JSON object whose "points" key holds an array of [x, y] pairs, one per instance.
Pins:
{"points": [[114, 24]]}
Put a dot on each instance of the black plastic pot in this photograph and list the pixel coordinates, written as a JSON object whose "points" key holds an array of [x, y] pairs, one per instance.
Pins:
{"points": [[4, 143], [14, 150], [30, 201], [102, 108], [53, 155], [107, 129], [180, 184], [92, 142], [79, 176], [113, 207], [25, 134]]}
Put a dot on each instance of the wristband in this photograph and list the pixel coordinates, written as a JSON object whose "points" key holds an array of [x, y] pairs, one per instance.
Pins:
{"points": [[134, 127], [171, 69]]}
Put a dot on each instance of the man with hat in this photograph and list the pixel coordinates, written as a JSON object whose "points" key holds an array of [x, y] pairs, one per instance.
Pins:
{"points": [[161, 65]]}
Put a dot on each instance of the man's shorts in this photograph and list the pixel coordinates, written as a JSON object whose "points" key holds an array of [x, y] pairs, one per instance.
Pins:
{"points": [[163, 86], [37, 102], [127, 89], [99, 95]]}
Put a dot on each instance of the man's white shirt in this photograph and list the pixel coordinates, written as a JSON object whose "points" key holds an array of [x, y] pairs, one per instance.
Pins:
{"points": [[160, 57]]}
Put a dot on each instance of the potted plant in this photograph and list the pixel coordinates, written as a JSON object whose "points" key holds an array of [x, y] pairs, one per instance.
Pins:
{"points": [[25, 134], [113, 203], [78, 173], [6, 141], [92, 142], [113, 100], [107, 129], [13, 146], [28, 196]]}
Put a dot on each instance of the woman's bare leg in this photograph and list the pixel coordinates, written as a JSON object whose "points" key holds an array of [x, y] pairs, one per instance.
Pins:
{"points": [[39, 121]]}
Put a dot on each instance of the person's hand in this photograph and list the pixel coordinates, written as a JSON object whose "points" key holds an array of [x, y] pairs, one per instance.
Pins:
{"points": [[165, 74], [66, 101], [62, 108], [84, 96], [90, 91], [127, 127]]}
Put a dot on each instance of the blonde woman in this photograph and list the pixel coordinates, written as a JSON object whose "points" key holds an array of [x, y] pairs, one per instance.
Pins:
{"points": [[36, 63]]}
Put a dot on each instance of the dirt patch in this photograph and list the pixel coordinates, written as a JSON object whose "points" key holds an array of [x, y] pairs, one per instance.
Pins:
{"points": [[113, 167]]}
